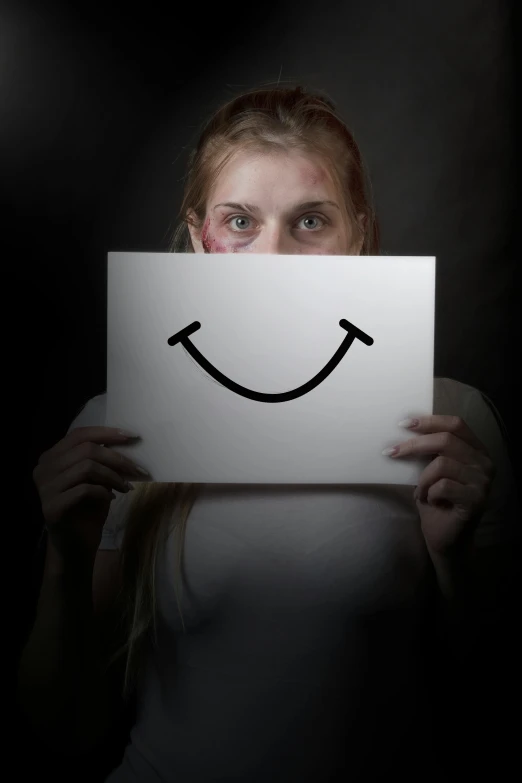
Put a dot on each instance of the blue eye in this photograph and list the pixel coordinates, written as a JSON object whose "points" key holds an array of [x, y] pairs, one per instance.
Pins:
{"points": [[312, 218], [240, 223], [238, 227]]}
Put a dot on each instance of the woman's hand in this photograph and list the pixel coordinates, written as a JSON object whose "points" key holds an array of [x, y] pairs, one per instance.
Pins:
{"points": [[75, 480], [453, 489]]}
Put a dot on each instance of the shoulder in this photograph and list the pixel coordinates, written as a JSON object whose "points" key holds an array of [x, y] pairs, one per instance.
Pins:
{"points": [[451, 397], [454, 398]]}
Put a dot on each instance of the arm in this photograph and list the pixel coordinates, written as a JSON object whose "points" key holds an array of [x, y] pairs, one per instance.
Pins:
{"points": [[65, 690], [472, 657], [477, 582], [467, 501]]}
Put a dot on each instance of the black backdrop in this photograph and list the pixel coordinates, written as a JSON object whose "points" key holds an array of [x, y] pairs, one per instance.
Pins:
{"points": [[100, 104]]}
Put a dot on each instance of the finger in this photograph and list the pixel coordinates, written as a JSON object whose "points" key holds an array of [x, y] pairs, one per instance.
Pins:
{"points": [[445, 467], [55, 507], [442, 423], [463, 497], [445, 444], [89, 451], [86, 472], [103, 435]]}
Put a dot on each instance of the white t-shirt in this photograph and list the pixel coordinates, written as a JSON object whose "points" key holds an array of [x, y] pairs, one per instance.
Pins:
{"points": [[305, 609]]}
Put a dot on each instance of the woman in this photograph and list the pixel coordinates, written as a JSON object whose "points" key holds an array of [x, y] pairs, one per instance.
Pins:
{"points": [[294, 650]]}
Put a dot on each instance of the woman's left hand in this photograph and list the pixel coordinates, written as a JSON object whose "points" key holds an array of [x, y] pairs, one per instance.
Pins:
{"points": [[453, 489]]}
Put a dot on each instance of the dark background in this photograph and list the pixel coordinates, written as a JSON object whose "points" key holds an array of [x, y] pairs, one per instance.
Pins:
{"points": [[100, 104]]}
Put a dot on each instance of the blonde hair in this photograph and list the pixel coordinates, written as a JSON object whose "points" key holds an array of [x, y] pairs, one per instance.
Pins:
{"points": [[266, 119]]}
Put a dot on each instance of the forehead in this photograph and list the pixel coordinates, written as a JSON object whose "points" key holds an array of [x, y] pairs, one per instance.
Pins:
{"points": [[251, 171]]}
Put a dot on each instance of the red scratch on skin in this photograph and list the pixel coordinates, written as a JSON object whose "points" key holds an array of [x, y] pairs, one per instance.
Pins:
{"points": [[204, 237], [212, 244]]}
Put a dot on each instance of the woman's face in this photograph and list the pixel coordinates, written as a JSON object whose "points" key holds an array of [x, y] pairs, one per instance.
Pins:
{"points": [[280, 203]]}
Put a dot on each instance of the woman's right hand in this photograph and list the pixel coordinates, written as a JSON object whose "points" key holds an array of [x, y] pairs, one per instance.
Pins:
{"points": [[75, 480]]}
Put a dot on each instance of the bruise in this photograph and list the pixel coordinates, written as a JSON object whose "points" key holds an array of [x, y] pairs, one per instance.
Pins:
{"points": [[213, 244]]}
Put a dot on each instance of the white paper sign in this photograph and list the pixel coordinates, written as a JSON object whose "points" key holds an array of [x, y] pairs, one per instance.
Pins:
{"points": [[267, 368]]}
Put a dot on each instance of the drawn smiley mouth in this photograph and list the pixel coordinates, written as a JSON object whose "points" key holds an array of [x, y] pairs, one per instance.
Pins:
{"points": [[183, 337]]}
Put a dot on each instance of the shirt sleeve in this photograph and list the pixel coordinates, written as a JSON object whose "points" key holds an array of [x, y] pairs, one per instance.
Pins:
{"points": [[93, 414], [498, 523]]}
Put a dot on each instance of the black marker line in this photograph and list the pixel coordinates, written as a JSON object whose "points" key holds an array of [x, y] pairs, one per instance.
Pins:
{"points": [[353, 333]]}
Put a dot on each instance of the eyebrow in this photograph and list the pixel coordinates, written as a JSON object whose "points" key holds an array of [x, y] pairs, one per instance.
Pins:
{"points": [[297, 207]]}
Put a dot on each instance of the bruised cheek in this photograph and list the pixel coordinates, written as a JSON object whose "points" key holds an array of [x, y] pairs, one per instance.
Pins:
{"points": [[215, 240], [205, 240]]}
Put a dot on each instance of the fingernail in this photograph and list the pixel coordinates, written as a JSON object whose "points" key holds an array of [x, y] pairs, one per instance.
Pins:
{"points": [[408, 423], [128, 434], [128, 485], [143, 471], [390, 452]]}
